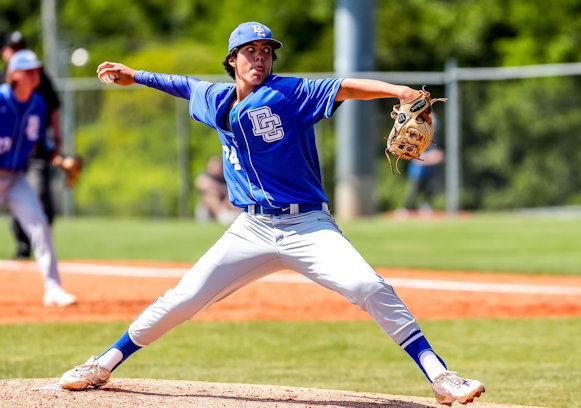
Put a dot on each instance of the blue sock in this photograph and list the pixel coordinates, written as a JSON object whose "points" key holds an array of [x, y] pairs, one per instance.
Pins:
{"points": [[125, 346], [415, 345]]}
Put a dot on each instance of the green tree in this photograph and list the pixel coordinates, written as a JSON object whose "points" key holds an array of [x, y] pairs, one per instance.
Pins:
{"points": [[519, 137]]}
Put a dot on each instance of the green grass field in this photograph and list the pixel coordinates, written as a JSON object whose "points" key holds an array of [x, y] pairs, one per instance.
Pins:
{"points": [[522, 361], [488, 243], [527, 361]]}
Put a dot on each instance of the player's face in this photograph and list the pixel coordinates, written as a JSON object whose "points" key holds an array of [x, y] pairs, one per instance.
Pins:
{"points": [[254, 62], [27, 80]]}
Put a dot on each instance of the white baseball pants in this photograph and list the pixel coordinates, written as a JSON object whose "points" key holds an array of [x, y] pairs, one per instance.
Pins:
{"points": [[257, 245], [24, 205]]}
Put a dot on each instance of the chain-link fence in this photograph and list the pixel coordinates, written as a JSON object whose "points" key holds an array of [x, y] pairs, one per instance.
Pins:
{"points": [[510, 137]]}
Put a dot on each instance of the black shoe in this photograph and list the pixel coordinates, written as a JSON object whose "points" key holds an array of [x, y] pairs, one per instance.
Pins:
{"points": [[21, 256]]}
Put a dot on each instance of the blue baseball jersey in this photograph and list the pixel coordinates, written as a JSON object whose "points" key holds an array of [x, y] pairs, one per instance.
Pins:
{"points": [[22, 126], [268, 139]]}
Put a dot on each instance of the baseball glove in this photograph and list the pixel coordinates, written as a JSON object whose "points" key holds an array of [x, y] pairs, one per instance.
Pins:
{"points": [[71, 165], [413, 130]]}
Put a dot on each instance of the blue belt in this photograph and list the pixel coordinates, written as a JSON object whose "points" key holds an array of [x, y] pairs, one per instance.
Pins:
{"points": [[290, 209]]}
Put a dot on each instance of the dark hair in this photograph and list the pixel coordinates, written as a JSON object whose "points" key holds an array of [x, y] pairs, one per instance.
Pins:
{"points": [[232, 54], [229, 68]]}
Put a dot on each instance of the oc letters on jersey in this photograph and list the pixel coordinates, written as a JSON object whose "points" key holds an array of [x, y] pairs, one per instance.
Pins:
{"points": [[266, 124]]}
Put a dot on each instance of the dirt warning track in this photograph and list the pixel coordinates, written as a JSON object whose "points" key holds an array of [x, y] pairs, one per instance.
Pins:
{"points": [[112, 291]]}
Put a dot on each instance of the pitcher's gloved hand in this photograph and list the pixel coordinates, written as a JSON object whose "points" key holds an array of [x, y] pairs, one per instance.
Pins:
{"points": [[413, 129]]}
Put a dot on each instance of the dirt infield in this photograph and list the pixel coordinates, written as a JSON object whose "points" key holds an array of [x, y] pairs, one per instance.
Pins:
{"points": [[176, 394], [120, 290]]}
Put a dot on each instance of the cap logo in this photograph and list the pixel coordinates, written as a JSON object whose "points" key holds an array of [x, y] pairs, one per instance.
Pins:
{"points": [[259, 30]]}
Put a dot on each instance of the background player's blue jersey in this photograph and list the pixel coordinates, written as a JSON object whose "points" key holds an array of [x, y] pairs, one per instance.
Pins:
{"points": [[270, 155], [22, 126]]}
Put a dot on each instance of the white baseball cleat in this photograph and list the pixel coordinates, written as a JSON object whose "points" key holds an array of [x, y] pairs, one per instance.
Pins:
{"points": [[58, 297], [90, 374], [448, 387]]}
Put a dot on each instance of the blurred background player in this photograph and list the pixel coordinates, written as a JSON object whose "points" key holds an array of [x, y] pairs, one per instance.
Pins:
{"points": [[22, 127], [214, 203], [423, 178], [40, 170]]}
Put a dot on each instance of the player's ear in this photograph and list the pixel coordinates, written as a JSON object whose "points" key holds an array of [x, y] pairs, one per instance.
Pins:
{"points": [[232, 62]]}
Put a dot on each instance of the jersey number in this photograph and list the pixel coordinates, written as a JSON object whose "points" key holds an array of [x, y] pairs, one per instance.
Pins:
{"points": [[266, 124], [33, 128], [232, 157], [5, 144]]}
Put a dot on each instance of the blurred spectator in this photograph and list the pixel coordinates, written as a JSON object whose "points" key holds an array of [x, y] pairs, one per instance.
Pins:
{"points": [[423, 178], [214, 203], [40, 171]]}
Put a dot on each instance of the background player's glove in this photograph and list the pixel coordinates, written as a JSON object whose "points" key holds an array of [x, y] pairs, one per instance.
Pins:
{"points": [[413, 129], [71, 165]]}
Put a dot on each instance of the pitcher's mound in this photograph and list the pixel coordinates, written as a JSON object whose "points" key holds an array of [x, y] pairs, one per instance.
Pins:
{"points": [[125, 392]]}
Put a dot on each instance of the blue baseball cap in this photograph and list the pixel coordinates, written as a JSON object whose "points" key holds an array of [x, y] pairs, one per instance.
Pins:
{"points": [[23, 60], [251, 31]]}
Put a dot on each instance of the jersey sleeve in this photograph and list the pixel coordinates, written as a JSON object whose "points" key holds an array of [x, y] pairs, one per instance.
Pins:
{"points": [[44, 145], [40, 106], [181, 86], [316, 98], [201, 101]]}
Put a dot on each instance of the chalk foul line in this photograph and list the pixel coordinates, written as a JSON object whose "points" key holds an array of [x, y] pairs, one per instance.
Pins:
{"points": [[75, 268]]}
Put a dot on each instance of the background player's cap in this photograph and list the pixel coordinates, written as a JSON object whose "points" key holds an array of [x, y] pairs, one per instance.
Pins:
{"points": [[23, 60], [251, 31], [15, 40]]}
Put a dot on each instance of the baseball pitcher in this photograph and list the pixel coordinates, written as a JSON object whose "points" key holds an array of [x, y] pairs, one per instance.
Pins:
{"points": [[265, 125]]}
